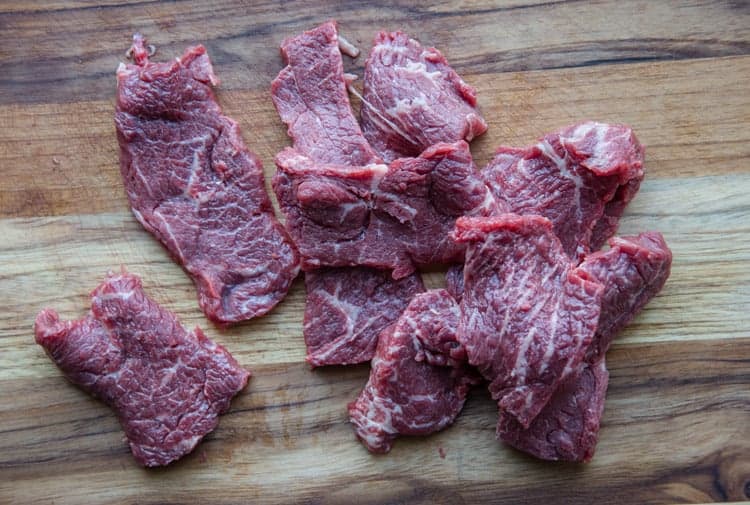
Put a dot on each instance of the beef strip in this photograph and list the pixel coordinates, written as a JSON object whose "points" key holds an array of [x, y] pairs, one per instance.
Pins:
{"points": [[194, 185], [311, 98], [413, 99], [632, 271], [418, 382], [347, 308], [580, 178], [395, 217], [166, 385], [527, 316]]}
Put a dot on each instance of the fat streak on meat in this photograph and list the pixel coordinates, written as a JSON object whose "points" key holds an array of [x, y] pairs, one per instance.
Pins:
{"points": [[633, 270], [193, 184], [347, 308], [527, 316], [418, 381], [413, 99], [580, 178], [166, 385]]}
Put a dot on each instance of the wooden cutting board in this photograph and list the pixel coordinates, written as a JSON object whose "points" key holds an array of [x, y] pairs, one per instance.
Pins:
{"points": [[676, 425]]}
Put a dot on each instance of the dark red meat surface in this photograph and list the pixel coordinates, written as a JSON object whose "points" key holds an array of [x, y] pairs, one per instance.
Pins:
{"points": [[311, 98], [413, 99], [395, 217], [580, 178], [418, 382], [166, 385], [195, 186], [527, 316], [347, 308]]}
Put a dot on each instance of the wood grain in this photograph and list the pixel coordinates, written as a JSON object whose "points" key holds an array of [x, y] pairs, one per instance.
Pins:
{"points": [[677, 418]]}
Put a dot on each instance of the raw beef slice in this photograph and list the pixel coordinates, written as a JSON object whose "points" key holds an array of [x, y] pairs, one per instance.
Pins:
{"points": [[418, 383], [166, 385], [580, 178], [632, 271], [414, 99], [527, 316], [194, 185], [347, 308], [395, 217], [310, 96]]}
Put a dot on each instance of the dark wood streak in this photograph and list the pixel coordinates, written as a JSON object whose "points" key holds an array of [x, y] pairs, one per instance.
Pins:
{"points": [[81, 65]]}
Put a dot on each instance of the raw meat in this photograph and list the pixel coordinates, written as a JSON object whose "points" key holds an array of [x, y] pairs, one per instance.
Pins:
{"points": [[454, 282], [580, 178], [194, 185], [408, 392], [347, 308], [527, 316], [395, 217], [413, 99], [310, 96], [568, 427], [633, 271], [166, 385]]}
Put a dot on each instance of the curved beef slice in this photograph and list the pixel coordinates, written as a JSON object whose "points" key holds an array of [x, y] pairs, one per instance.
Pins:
{"points": [[396, 217], [413, 99], [166, 385], [633, 270], [193, 184], [527, 316], [580, 178], [347, 308], [409, 391], [311, 99]]}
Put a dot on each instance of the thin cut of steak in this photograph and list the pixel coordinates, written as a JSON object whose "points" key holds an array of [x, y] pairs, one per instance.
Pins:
{"points": [[632, 271], [194, 185], [311, 98], [410, 392], [396, 217], [580, 178], [166, 385], [414, 99], [347, 308], [527, 316]]}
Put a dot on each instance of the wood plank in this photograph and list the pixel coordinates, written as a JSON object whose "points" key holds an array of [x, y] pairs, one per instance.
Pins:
{"points": [[291, 427], [44, 60], [56, 166]]}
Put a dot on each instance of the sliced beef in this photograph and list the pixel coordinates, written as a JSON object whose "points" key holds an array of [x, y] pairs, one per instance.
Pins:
{"points": [[347, 308], [311, 98], [454, 281], [527, 316], [194, 185], [418, 383], [580, 178], [414, 99], [632, 271], [166, 385], [568, 427], [395, 217]]}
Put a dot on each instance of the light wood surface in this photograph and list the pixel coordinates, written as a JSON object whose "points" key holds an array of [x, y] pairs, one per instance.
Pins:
{"points": [[676, 425]]}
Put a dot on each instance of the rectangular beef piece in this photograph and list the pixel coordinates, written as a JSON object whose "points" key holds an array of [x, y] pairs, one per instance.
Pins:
{"points": [[166, 385], [580, 178], [414, 99], [418, 381], [391, 217], [347, 308], [633, 270], [527, 316], [194, 185], [311, 98]]}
